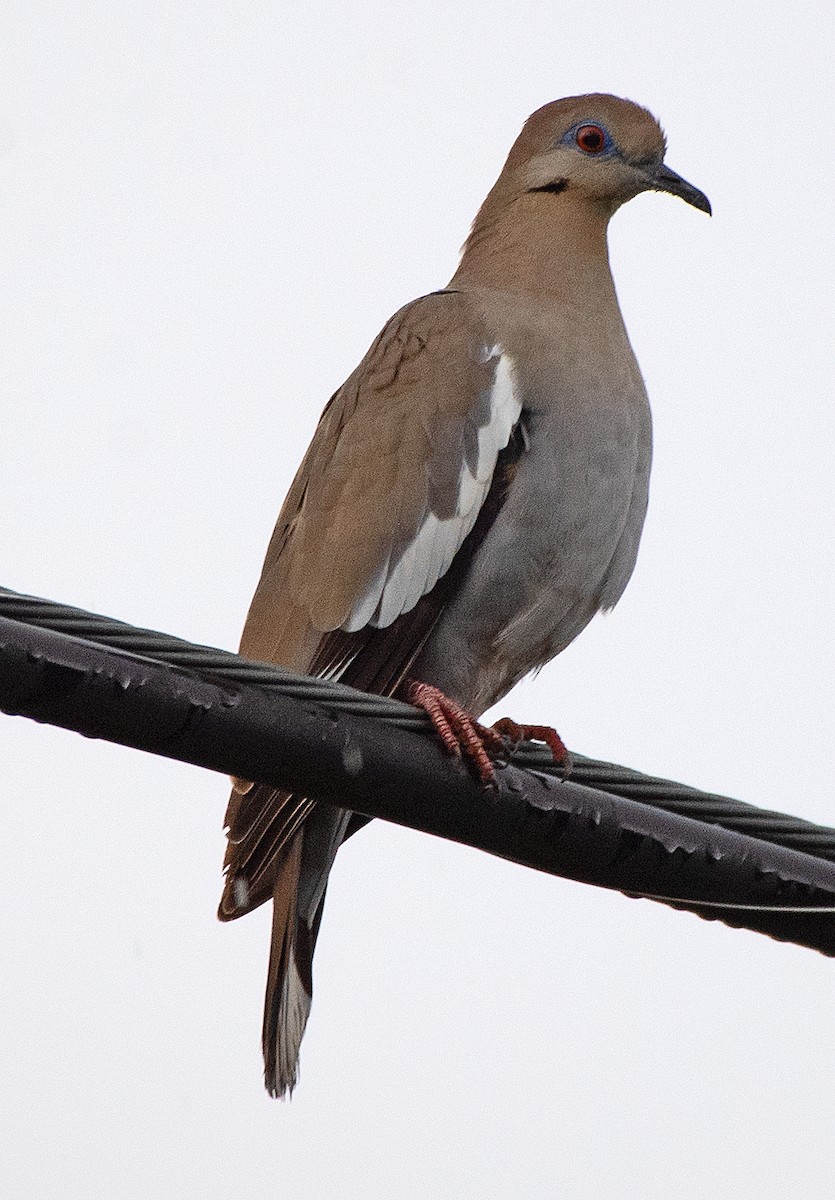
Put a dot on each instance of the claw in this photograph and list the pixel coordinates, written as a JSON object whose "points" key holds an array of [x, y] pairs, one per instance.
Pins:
{"points": [[516, 733], [461, 734], [464, 736]]}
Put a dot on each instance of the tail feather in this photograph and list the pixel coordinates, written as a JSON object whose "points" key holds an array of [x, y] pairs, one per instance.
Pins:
{"points": [[288, 999], [299, 883]]}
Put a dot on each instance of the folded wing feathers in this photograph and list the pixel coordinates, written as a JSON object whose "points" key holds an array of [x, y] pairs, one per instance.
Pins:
{"points": [[364, 610], [397, 586]]}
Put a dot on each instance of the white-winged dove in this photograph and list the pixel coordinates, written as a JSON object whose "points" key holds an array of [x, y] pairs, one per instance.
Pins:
{"points": [[473, 495]]}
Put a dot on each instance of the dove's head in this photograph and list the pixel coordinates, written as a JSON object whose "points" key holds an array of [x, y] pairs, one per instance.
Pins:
{"points": [[598, 149], [574, 163]]}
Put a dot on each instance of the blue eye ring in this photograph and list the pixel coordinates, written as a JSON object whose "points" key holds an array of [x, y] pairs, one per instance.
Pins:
{"points": [[591, 139]]}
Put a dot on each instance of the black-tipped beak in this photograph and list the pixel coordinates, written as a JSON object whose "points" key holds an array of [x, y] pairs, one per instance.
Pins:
{"points": [[665, 180]]}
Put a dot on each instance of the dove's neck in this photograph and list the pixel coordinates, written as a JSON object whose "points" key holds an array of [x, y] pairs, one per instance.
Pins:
{"points": [[540, 245]]}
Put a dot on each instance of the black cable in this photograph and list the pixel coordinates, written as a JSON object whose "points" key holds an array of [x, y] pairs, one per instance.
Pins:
{"points": [[364, 765], [777, 828]]}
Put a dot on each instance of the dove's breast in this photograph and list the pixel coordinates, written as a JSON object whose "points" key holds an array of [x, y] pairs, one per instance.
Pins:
{"points": [[563, 545]]}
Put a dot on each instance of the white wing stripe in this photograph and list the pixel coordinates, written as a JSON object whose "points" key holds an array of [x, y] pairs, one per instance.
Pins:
{"points": [[364, 610], [397, 589]]}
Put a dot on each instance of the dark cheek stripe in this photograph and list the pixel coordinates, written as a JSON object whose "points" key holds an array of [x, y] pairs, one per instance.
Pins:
{"points": [[555, 187]]}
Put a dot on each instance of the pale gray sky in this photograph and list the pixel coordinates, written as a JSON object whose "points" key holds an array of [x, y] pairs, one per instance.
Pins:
{"points": [[207, 210]]}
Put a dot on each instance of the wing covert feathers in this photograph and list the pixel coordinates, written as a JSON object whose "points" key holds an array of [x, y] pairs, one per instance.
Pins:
{"points": [[392, 483]]}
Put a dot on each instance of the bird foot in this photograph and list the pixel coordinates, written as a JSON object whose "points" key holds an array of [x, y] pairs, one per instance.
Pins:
{"points": [[465, 737], [516, 733], [459, 731]]}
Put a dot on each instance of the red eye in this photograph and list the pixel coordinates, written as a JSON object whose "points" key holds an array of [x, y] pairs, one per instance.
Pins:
{"points": [[590, 138]]}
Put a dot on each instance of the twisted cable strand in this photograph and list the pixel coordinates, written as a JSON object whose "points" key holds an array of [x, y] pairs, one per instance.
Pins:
{"points": [[776, 827]]}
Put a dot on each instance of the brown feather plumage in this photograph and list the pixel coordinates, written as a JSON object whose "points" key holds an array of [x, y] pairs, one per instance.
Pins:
{"points": [[382, 504], [364, 483]]}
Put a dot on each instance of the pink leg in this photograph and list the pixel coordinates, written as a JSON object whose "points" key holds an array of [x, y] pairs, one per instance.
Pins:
{"points": [[460, 732], [516, 733]]}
